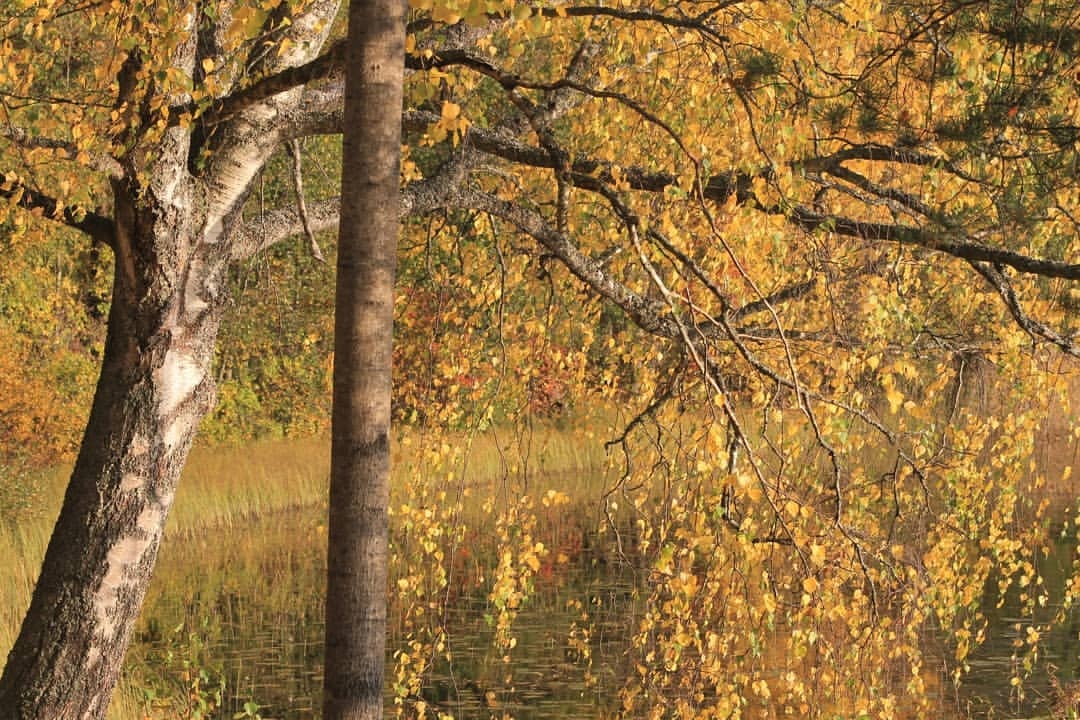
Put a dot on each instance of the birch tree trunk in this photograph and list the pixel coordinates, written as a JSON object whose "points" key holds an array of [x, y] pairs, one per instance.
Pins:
{"points": [[155, 387], [177, 201], [360, 460]]}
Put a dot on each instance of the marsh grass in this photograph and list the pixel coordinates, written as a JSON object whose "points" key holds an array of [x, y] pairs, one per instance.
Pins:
{"points": [[241, 492], [252, 516], [230, 486]]}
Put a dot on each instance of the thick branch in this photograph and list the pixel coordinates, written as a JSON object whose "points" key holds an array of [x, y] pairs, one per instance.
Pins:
{"points": [[1036, 329], [267, 229], [319, 111], [931, 240], [422, 196], [322, 67], [698, 23], [589, 173], [791, 292], [98, 227]]}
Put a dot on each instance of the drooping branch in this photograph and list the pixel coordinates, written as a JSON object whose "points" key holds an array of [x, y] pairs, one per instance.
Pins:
{"points": [[589, 173], [998, 280], [651, 315], [942, 242], [879, 152], [698, 23], [895, 196]]}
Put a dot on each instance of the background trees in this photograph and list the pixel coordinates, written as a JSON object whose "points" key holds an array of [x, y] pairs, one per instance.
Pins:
{"points": [[813, 222]]}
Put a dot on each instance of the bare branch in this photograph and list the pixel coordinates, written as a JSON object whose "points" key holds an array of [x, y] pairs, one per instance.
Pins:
{"points": [[301, 205], [267, 229], [422, 196]]}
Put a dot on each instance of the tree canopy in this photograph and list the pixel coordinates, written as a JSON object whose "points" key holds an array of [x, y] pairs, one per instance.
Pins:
{"points": [[793, 240]]}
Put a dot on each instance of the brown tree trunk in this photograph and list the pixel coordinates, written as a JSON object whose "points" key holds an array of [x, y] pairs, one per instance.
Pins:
{"points": [[360, 459], [155, 386]]}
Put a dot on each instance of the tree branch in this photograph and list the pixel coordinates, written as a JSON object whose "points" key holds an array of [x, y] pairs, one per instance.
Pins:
{"points": [[909, 235], [791, 292], [997, 279], [698, 23], [322, 67], [100, 162], [651, 315], [98, 227], [301, 204], [590, 173], [267, 229]]}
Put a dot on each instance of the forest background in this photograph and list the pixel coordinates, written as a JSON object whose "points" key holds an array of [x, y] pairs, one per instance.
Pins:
{"points": [[845, 372]]}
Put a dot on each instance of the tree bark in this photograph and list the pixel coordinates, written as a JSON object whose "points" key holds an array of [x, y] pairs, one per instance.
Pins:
{"points": [[360, 455], [155, 387]]}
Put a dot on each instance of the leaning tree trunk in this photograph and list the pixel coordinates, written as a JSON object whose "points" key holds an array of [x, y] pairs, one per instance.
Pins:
{"points": [[155, 386], [360, 456], [178, 199]]}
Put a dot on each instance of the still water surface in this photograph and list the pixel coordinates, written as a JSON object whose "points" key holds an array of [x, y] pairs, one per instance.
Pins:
{"points": [[246, 603]]}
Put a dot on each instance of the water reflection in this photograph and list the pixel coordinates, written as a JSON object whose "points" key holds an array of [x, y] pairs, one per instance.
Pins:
{"points": [[254, 597], [986, 691]]}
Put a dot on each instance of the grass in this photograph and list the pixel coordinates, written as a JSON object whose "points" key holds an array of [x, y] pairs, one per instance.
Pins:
{"points": [[233, 487], [249, 491]]}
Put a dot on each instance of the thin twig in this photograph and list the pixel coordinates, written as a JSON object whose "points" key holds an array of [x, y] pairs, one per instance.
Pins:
{"points": [[301, 206]]}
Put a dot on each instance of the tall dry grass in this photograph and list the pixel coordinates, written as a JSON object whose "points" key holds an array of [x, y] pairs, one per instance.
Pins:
{"points": [[230, 487]]}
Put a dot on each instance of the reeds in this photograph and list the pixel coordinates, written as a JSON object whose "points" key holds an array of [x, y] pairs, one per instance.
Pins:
{"points": [[232, 488]]}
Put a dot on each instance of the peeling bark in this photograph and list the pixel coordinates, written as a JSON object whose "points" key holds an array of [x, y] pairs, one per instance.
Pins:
{"points": [[155, 386], [172, 236]]}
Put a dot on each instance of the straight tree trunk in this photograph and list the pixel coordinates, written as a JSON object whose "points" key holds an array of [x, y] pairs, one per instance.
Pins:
{"points": [[360, 456]]}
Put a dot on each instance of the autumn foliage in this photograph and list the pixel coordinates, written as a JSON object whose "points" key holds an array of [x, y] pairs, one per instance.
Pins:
{"points": [[816, 261]]}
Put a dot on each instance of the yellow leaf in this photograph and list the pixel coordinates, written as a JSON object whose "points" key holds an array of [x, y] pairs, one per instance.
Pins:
{"points": [[450, 110], [895, 398], [715, 441]]}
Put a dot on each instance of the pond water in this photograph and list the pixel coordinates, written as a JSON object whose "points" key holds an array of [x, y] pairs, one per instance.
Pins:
{"points": [[246, 603]]}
